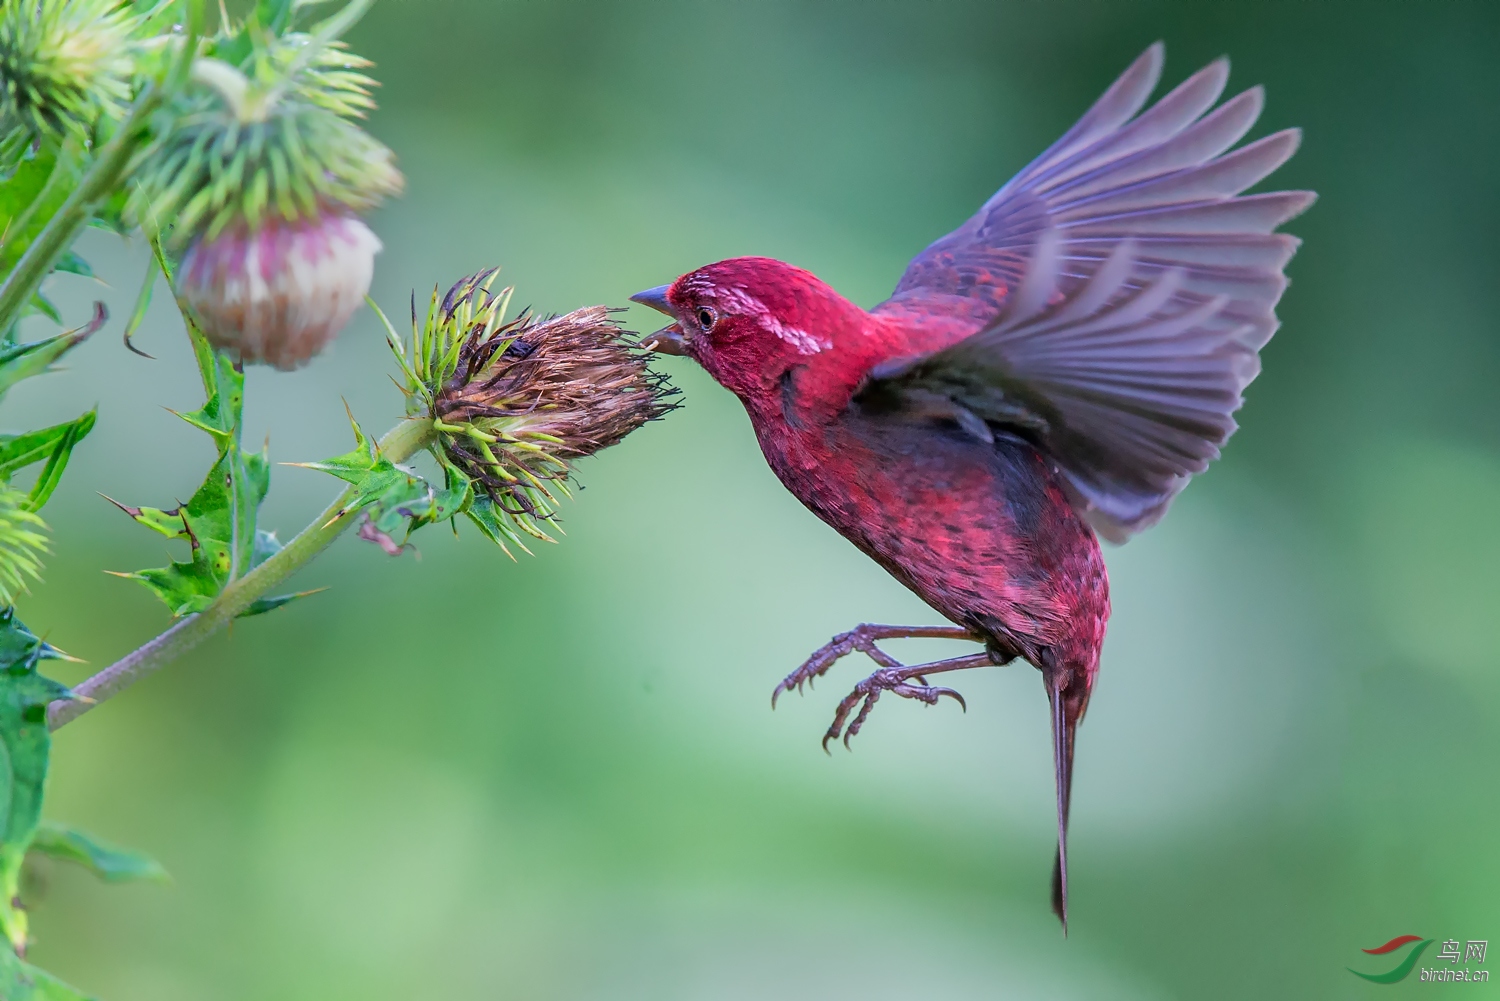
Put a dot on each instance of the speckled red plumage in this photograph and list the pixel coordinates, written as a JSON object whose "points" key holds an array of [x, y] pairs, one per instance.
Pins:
{"points": [[984, 534], [1062, 363]]}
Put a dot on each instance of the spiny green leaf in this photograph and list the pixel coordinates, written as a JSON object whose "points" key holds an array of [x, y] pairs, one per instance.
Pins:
{"points": [[169, 523], [109, 862], [22, 361], [353, 466], [218, 522], [18, 451], [71, 263], [371, 473], [57, 458], [262, 605], [396, 502], [26, 743], [220, 413]]}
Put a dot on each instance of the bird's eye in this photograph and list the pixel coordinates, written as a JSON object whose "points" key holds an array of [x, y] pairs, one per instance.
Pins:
{"points": [[706, 317]]}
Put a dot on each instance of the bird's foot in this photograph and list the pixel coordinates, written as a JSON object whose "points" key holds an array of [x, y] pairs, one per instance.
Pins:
{"points": [[862, 638], [899, 681]]}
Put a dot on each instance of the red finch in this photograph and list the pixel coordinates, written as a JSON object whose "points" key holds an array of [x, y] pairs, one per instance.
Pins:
{"points": [[1058, 366]]}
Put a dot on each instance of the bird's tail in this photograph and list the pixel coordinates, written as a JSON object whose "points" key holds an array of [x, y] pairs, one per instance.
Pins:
{"points": [[1068, 694]]}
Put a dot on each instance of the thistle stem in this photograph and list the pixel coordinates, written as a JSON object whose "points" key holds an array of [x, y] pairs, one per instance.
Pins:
{"points": [[400, 443], [105, 176]]}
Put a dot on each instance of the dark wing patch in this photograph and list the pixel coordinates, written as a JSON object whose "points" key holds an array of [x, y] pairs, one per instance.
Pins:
{"points": [[1120, 289]]}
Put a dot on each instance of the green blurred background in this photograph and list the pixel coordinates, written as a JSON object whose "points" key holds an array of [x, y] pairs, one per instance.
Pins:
{"points": [[461, 777]]}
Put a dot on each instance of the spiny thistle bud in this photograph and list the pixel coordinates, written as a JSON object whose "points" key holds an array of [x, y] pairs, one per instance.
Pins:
{"points": [[263, 182], [278, 296], [514, 402], [64, 64]]}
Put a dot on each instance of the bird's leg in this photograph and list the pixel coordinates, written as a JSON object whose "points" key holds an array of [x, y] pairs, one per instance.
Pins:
{"points": [[899, 680], [863, 638]]}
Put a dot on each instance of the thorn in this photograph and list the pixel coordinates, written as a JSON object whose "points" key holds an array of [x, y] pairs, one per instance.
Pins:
{"points": [[129, 346], [127, 576], [134, 512], [101, 317], [84, 699]]}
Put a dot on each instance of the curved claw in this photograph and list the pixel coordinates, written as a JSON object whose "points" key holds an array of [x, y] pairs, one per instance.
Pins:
{"points": [[955, 696]]}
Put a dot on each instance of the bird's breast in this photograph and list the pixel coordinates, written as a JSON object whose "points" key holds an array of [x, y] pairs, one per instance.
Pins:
{"points": [[982, 532]]}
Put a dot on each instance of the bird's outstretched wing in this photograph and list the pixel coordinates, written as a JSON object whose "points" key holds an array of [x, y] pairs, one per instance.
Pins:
{"points": [[1120, 292]]}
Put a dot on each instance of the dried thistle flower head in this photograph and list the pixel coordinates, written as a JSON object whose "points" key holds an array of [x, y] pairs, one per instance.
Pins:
{"points": [[514, 402], [64, 64]]}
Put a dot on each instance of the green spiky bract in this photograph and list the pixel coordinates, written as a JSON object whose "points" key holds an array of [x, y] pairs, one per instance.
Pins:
{"points": [[65, 65], [216, 172], [431, 363], [21, 545], [267, 136], [219, 522]]}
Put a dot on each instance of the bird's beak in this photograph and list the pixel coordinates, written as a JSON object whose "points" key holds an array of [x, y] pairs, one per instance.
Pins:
{"points": [[669, 340], [656, 298]]}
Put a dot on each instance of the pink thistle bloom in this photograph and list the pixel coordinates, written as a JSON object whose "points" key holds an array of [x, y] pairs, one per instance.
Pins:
{"points": [[279, 295]]}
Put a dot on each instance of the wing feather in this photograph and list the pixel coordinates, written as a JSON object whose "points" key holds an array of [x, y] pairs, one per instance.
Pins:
{"points": [[1118, 290]]}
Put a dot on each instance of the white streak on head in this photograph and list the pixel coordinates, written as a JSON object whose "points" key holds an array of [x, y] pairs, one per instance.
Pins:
{"points": [[734, 300]]}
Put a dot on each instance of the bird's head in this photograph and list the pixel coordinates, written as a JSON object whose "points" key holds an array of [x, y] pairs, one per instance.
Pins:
{"points": [[749, 320]]}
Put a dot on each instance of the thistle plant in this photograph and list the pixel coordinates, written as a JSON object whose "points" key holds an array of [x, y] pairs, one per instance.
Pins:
{"points": [[238, 154]]}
